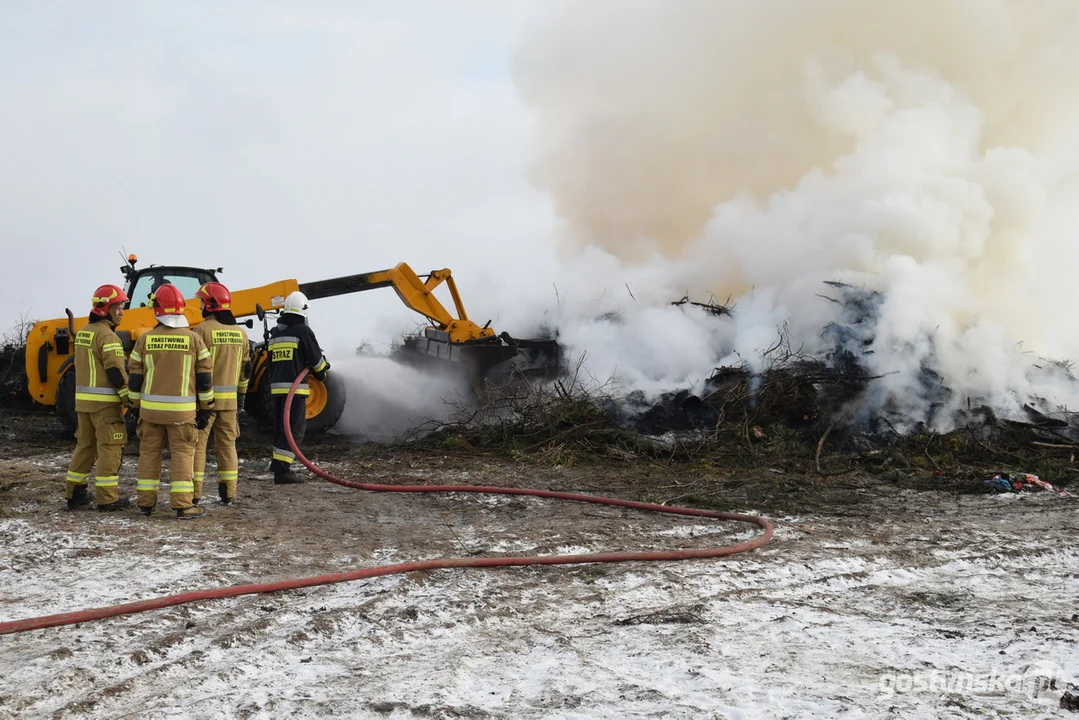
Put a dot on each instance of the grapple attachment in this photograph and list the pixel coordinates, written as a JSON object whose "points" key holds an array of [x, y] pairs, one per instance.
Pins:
{"points": [[494, 359]]}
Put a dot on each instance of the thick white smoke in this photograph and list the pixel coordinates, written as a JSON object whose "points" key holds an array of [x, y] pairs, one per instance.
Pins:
{"points": [[388, 400], [924, 149]]}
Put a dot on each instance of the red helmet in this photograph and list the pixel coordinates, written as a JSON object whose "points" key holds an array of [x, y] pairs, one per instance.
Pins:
{"points": [[105, 297], [167, 300], [216, 296]]}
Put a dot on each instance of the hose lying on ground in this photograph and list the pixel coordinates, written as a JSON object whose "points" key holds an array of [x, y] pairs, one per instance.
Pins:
{"points": [[71, 618]]}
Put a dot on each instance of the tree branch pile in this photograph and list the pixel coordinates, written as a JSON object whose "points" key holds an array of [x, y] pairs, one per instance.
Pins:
{"points": [[14, 392], [555, 419]]}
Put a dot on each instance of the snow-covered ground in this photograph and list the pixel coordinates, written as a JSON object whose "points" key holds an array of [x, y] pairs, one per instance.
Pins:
{"points": [[923, 605]]}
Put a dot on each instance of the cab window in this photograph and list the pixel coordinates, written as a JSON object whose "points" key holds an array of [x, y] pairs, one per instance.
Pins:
{"points": [[150, 281]]}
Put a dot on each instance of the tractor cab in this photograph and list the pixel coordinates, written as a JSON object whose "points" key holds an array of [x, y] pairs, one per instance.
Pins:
{"points": [[143, 282]]}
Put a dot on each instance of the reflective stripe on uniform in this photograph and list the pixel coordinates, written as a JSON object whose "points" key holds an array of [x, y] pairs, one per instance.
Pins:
{"points": [[107, 481], [182, 486], [206, 396], [97, 398], [283, 388], [228, 474], [186, 386], [199, 475], [95, 390], [149, 381], [172, 407], [224, 390], [285, 456], [285, 341], [96, 394], [136, 356], [321, 364], [170, 398], [135, 395], [77, 478], [147, 485], [203, 354], [112, 346], [174, 403]]}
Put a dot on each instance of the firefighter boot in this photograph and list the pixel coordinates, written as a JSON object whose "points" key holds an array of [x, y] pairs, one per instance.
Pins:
{"points": [[79, 496], [110, 501], [190, 513], [223, 493], [108, 495], [286, 477]]}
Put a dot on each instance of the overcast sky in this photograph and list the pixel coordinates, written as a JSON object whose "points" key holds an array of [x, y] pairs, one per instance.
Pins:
{"points": [[277, 139]]}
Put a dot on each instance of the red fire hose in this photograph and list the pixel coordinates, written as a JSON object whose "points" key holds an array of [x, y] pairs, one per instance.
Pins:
{"points": [[71, 618]]}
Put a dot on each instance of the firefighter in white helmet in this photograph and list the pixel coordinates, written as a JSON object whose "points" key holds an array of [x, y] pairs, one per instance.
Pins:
{"points": [[292, 348]]}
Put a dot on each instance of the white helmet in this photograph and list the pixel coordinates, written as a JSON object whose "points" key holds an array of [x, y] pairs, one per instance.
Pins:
{"points": [[296, 303]]}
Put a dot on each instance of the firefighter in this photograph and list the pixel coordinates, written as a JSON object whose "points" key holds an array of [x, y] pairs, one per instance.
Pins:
{"points": [[292, 348], [172, 388], [230, 351], [101, 390]]}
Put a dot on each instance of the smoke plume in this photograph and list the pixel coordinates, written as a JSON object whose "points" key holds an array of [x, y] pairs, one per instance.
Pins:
{"points": [[388, 400], [924, 149]]}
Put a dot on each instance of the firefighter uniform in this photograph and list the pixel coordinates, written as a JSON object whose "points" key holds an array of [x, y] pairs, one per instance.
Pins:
{"points": [[171, 383], [230, 351], [100, 394], [292, 348]]}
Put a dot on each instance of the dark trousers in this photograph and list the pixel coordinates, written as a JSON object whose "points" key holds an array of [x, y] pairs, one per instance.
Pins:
{"points": [[283, 457]]}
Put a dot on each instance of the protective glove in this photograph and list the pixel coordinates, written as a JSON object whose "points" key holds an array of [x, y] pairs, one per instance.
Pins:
{"points": [[202, 419], [321, 374], [126, 402], [133, 413]]}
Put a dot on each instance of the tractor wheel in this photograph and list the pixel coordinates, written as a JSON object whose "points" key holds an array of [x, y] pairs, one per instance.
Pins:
{"points": [[326, 403], [324, 406], [65, 402]]}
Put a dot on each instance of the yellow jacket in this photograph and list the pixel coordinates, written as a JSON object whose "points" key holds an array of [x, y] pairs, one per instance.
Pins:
{"points": [[230, 352], [100, 373], [171, 375]]}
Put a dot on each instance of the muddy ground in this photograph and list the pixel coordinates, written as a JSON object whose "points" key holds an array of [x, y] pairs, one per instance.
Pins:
{"points": [[875, 599]]}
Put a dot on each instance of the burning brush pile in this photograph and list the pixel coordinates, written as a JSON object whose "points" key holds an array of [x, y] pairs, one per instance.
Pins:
{"points": [[825, 400], [835, 390]]}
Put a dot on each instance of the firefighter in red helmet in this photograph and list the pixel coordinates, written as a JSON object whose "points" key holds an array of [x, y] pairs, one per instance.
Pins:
{"points": [[101, 391], [172, 388], [230, 351]]}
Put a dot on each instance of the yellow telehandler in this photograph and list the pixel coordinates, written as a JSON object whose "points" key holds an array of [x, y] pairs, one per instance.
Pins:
{"points": [[478, 352]]}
